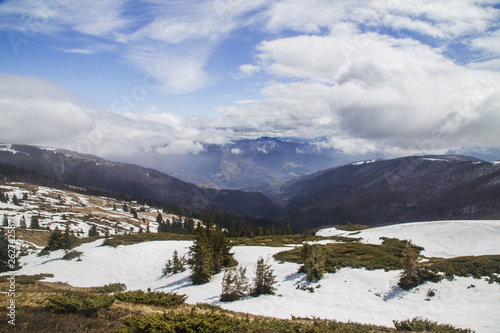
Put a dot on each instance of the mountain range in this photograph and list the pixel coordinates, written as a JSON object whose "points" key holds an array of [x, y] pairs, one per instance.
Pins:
{"points": [[243, 164], [372, 192]]}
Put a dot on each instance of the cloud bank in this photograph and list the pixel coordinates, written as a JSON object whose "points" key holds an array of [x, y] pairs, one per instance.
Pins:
{"points": [[393, 77]]}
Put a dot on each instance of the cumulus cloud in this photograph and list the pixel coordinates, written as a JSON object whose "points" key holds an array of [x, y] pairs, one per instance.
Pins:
{"points": [[373, 92], [370, 76]]}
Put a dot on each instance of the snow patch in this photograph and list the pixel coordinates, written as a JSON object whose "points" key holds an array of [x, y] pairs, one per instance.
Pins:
{"points": [[444, 239], [364, 162]]}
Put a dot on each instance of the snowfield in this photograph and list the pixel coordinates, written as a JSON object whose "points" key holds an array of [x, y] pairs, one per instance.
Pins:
{"points": [[355, 295], [445, 239]]}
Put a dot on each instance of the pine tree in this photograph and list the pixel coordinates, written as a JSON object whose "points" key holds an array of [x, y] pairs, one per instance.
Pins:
{"points": [[56, 240], [221, 255], [200, 260], [69, 239], [209, 253], [234, 284], [7, 263], [314, 261], [93, 231], [22, 222], [264, 279], [114, 206], [125, 207], [15, 200], [34, 223], [175, 265], [5, 221], [159, 218], [133, 211], [410, 277]]}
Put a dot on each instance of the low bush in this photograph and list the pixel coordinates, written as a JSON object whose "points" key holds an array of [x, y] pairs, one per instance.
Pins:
{"points": [[387, 256], [84, 303], [475, 266], [72, 255], [112, 288], [27, 279], [418, 324], [274, 241], [151, 298], [219, 322], [421, 275], [117, 240], [352, 227]]}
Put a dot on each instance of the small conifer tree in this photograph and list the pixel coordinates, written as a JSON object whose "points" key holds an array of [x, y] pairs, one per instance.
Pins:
{"points": [[93, 231], [314, 261], [15, 200], [200, 258], [5, 221], [174, 266], [133, 211], [22, 222], [34, 223], [209, 253], [234, 284], [412, 274], [264, 279], [56, 240], [6, 262]]}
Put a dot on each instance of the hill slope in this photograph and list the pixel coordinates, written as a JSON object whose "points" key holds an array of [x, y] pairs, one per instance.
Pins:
{"points": [[357, 295], [398, 190], [372, 192], [92, 172]]}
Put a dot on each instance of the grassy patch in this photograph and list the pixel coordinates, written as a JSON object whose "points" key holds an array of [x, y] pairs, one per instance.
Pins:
{"points": [[352, 227], [117, 240], [425, 325], [84, 303], [475, 266], [151, 298], [387, 256], [220, 322], [111, 288], [27, 279], [345, 239], [274, 241]]}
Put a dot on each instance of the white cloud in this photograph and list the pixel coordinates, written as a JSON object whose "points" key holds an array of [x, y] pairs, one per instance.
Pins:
{"points": [[369, 75], [35, 110], [246, 71], [179, 70], [97, 19], [372, 92]]}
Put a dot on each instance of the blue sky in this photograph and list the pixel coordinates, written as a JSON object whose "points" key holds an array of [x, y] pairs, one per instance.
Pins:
{"points": [[123, 78]]}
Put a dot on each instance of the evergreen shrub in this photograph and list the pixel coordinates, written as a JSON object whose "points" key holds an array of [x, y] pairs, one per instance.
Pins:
{"points": [[84, 303]]}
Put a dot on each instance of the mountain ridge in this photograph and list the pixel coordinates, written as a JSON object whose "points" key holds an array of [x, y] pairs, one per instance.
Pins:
{"points": [[372, 192], [93, 172]]}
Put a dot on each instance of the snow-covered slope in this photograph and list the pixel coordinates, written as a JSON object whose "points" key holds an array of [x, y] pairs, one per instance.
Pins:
{"points": [[350, 294], [445, 239], [56, 209]]}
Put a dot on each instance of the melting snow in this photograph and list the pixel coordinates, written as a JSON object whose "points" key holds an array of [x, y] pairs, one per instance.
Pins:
{"points": [[349, 295]]}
